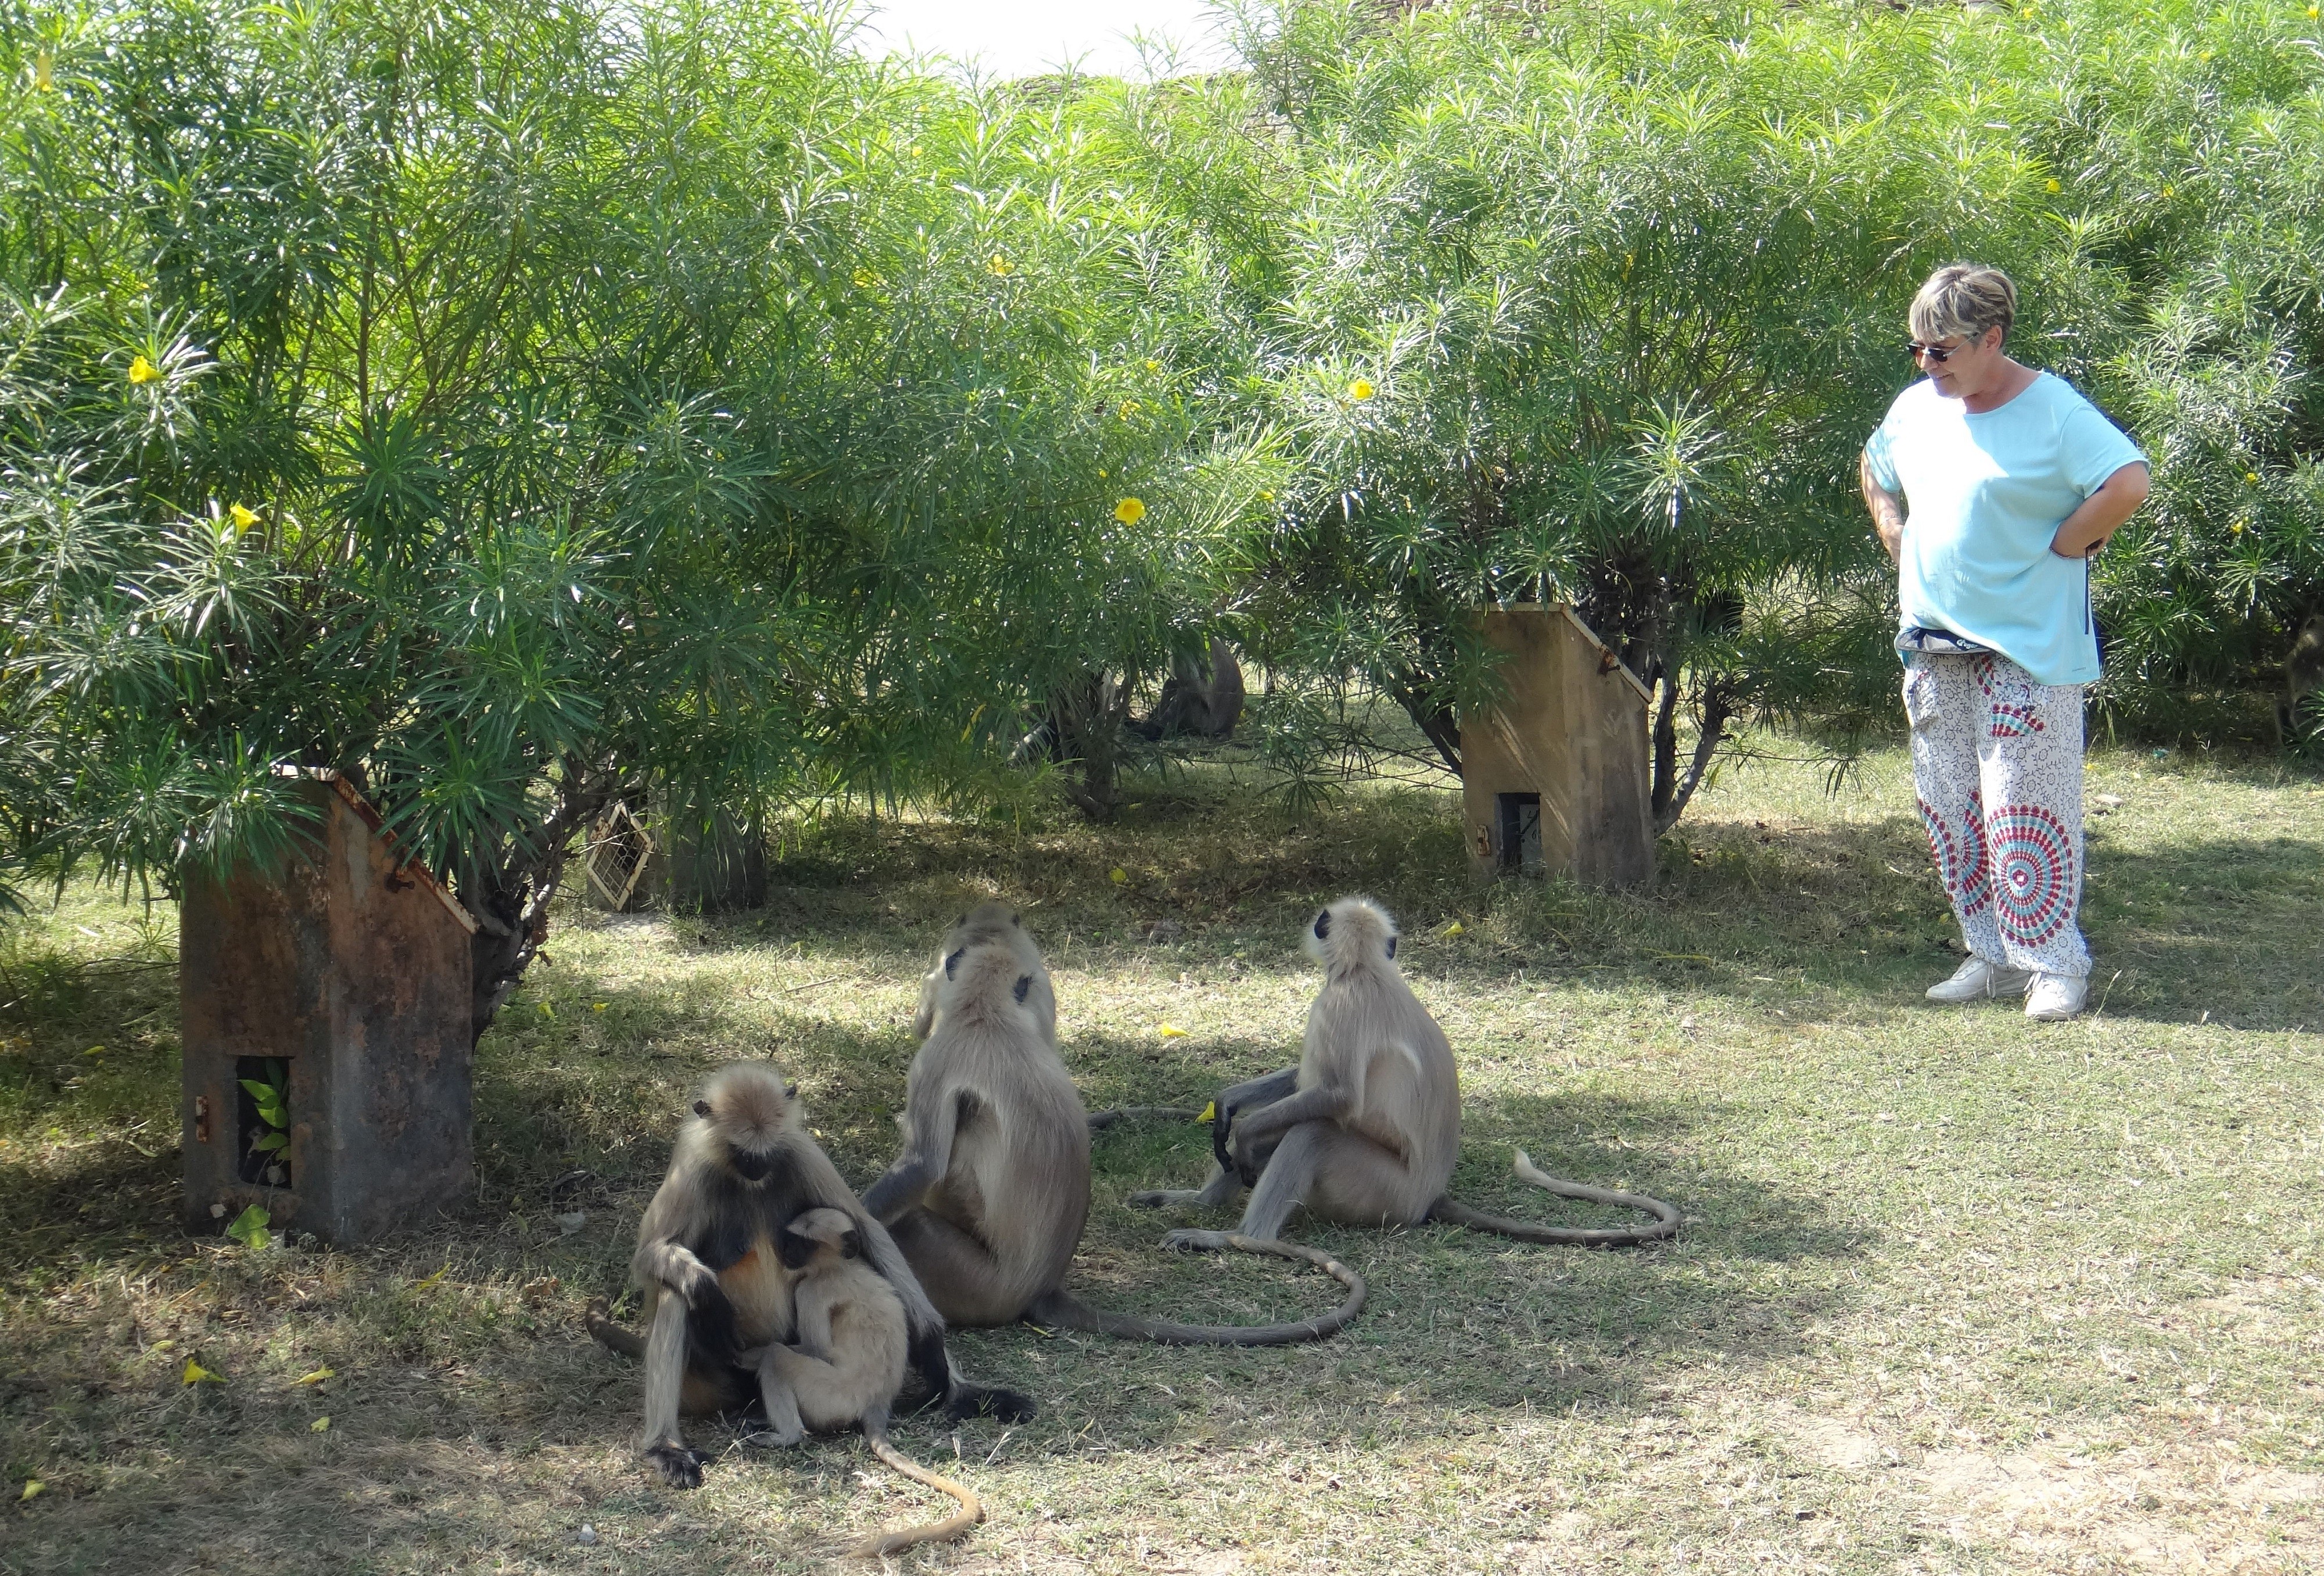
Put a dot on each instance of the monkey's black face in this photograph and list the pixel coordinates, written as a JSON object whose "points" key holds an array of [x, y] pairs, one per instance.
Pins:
{"points": [[751, 1166], [1391, 946], [1323, 926]]}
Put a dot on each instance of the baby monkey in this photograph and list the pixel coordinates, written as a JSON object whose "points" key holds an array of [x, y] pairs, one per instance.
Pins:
{"points": [[847, 1363]]}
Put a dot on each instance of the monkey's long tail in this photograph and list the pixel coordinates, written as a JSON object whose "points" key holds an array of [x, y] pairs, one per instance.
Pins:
{"points": [[1666, 1219], [599, 1322], [954, 1526], [1063, 1308], [1099, 1120]]}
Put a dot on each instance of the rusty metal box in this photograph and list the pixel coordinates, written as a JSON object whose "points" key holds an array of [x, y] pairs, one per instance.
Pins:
{"points": [[327, 1011]]}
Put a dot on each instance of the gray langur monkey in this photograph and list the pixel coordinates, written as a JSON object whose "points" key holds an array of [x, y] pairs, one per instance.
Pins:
{"points": [[1366, 1130], [847, 1362], [715, 1289], [989, 1196], [2303, 675], [992, 921]]}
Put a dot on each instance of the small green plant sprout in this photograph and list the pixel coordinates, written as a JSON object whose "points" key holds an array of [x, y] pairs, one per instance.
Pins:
{"points": [[249, 1228], [273, 1141]]}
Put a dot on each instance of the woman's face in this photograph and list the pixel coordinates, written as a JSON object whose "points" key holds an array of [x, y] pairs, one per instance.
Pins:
{"points": [[1971, 364]]}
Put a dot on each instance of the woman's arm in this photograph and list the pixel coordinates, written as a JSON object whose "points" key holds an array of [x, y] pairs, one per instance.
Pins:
{"points": [[1887, 509], [2083, 532]]}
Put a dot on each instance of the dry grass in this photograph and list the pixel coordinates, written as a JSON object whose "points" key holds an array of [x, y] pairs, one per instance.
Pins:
{"points": [[1964, 1294]]}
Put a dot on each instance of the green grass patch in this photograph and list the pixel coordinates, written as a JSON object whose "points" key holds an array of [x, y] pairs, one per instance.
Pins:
{"points": [[1960, 1293]]}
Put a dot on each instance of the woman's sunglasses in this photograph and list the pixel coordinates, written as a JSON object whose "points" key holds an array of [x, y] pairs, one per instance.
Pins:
{"points": [[1936, 352]]}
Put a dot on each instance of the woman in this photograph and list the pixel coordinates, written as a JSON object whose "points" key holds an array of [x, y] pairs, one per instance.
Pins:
{"points": [[2015, 481]]}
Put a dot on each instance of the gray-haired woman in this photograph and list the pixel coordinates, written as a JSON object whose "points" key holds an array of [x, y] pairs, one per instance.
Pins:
{"points": [[2013, 480]]}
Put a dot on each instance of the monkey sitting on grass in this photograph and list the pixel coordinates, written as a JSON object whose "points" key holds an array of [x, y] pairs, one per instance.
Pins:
{"points": [[717, 1294], [847, 1363], [991, 1189], [1366, 1130]]}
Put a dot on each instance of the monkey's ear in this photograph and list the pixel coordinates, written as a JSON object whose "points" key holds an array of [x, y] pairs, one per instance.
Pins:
{"points": [[1024, 985], [962, 920], [1391, 945], [702, 1108], [1323, 926], [953, 962], [1018, 920]]}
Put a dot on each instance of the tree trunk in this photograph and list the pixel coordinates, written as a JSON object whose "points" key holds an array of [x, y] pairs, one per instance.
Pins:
{"points": [[1086, 717], [1670, 792], [511, 905], [1436, 723]]}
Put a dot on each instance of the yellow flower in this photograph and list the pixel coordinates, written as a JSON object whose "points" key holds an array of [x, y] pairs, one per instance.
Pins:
{"points": [[2251, 475], [1117, 876], [1267, 494], [243, 518], [1171, 1031], [44, 71], [2311, 13], [1129, 408], [1100, 475], [1001, 265], [319, 1424], [597, 1006], [2236, 529], [2167, 191], [1360, 390], [2051, 185], [864, 278], [1130, 511], [196, 1374], [1153, 366], [2204, 56], [141, 371]]}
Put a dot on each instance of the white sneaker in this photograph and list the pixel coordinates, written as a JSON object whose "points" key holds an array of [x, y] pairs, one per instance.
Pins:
{"points": [[2056, 996], [1976, 980]]}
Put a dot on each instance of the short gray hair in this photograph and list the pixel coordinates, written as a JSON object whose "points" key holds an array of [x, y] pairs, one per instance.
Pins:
{"points": [[1964, 298]]}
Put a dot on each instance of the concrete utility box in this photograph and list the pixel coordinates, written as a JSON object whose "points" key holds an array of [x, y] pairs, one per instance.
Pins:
{"points": [[1557, 778], [342, 980]]}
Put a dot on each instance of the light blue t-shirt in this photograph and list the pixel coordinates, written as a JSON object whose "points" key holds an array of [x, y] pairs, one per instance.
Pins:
{"points": [[1984, 496]]}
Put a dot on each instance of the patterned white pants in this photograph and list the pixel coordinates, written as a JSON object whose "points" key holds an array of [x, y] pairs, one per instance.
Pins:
{"points": [[1997, 764]]}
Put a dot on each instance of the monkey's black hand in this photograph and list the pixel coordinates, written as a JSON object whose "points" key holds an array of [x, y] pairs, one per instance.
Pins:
{"points": [[710, 1334]]}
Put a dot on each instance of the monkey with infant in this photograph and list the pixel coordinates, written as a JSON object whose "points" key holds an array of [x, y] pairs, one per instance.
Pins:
{"points": [[765, 1282]]}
